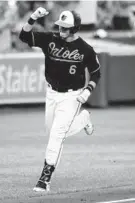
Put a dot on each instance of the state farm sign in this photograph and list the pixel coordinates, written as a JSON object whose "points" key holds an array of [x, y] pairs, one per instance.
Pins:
{"points": [[22, 78]]}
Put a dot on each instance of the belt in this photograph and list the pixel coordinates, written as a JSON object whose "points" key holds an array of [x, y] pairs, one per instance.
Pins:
{"points": [[62, 89]]}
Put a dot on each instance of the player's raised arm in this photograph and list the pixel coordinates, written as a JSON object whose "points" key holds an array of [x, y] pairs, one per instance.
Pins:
{"points": [[26, 34], [93, 66]]}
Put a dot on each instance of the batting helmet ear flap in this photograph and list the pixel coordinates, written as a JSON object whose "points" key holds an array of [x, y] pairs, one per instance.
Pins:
{"points": [[77, 22]]}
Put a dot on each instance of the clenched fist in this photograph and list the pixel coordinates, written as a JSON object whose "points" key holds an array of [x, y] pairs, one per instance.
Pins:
{"points": [[40, 12]]}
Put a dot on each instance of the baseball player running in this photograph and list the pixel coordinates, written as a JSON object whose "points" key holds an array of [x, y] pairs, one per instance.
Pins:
{"points": [[67, 56]]}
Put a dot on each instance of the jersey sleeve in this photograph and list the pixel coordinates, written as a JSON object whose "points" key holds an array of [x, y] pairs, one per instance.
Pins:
{"points": [[35, 39], [92, 61], [93, 66]]}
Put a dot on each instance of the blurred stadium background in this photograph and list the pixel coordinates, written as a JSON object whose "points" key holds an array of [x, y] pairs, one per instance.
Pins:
{"points": [[103, 165]]}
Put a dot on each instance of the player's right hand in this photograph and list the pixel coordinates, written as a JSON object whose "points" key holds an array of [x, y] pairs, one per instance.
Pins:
{"points": [[40, 12], [83, 97]]}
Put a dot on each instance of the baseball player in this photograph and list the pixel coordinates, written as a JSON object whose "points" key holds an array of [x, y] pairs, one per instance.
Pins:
{"points": [[67, 56]]}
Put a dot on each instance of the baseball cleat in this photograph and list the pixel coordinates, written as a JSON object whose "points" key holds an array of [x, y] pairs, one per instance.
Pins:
{"points": [[42, 187], [89, 127], [44, 181]]}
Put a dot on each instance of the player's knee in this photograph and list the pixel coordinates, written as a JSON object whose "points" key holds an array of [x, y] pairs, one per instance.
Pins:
{"points": [[59, 131]]}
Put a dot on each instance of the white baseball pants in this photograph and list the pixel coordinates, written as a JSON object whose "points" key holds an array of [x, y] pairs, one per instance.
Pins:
{"points": [[62, 118]]}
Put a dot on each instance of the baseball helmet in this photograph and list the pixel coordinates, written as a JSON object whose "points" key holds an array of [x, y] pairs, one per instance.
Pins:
{"points": [[69, 19]]}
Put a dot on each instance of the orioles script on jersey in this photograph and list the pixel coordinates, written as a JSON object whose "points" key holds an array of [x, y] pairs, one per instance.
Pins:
{"points": [[65, 54]]}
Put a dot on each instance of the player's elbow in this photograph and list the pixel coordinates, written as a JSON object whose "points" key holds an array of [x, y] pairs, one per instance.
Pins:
{"points": [[95, 77], [22, 36], [25, 36], [99, 74]]}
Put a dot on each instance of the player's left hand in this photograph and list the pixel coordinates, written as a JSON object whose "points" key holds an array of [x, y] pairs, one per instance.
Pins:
{"points": [[83, 97], [40, 12]]}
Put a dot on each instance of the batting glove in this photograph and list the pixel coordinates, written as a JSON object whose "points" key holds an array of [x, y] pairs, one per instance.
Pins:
{"points": [[40, 12], [83, 97]]}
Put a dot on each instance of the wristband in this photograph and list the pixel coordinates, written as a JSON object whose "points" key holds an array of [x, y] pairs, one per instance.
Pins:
{"points": [[31, 21], [90, 87]]}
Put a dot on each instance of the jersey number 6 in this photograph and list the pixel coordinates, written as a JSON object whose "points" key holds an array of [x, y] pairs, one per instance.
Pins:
{"points": [[72, 69]]}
